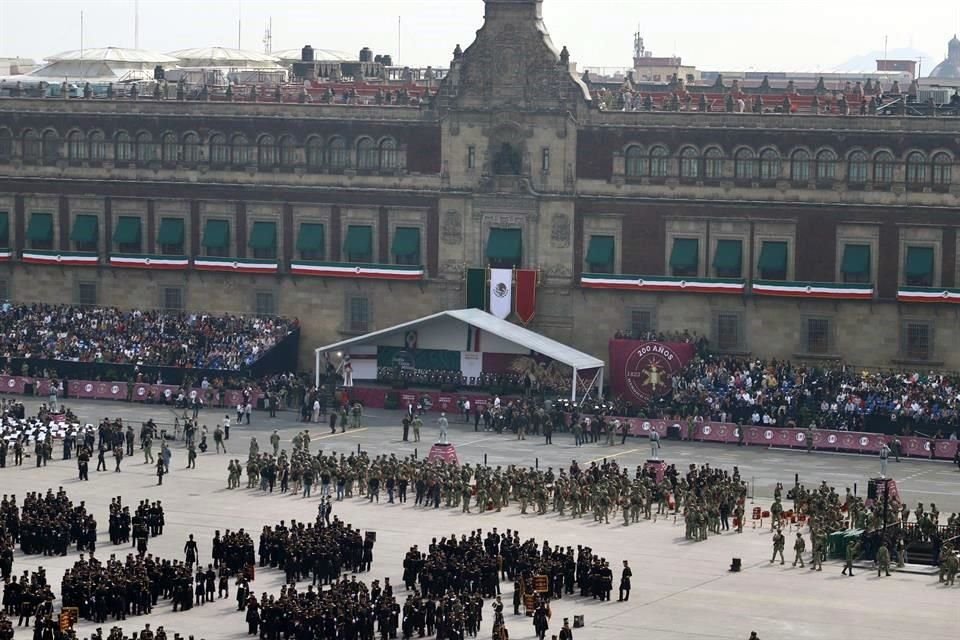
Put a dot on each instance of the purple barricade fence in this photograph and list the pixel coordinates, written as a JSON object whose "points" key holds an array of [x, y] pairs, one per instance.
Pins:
{"points": [[823, 439], [99, 390]]}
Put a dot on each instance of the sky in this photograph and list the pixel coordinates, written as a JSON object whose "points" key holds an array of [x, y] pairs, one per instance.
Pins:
{"points": [[799, 35]]}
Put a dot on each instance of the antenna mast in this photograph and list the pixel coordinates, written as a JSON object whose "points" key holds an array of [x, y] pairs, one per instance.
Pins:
{"points": [[136, 24], [268, 37]]}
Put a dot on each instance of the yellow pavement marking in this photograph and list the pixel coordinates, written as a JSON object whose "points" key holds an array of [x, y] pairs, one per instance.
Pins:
{"points": [[340, 433], [613, 455]]}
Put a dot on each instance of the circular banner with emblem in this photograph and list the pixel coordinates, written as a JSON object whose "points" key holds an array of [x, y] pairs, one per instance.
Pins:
{"points": [[649, 369]]}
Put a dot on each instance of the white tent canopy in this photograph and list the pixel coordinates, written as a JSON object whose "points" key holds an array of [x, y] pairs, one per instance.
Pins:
{"points": [[320, 55], [489, 324], [225, 57], [108, 64]]}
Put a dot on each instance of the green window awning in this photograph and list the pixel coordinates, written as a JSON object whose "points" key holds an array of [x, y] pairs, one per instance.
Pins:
{"points": [[773, 257], [358, 246], [310, 237], [685, 253], [263, 235], [406, 242], [856, 260], [600, 251], [40, 228], [729, 256], [127, 231], [171, 231], [216, 234], [919, 262], [85, 229], [505, 245], [4, 228]]}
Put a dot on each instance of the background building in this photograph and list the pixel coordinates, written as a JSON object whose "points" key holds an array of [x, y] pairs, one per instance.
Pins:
{"points": [[800, 236]]}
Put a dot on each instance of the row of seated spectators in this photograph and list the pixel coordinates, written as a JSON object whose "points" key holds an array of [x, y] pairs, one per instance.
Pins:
{"points": [[836, 396], [145, 338]]}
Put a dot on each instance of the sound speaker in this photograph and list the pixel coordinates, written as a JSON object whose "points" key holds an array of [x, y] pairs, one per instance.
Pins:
{"points": [[577, 621], [735, 565], [872, 490]]}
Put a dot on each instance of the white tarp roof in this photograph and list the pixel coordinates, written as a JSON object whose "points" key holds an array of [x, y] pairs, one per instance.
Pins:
{"points": [[491, 324], [224, 57], [131, 57]]}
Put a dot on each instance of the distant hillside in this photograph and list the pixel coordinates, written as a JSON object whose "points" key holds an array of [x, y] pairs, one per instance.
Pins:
{"points": [[868, 61]]}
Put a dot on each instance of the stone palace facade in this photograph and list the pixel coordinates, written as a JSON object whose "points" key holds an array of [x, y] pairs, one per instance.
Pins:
{"points": [[808, 237]]}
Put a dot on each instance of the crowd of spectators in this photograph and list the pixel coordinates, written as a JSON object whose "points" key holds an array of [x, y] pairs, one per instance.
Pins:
{"points": [[144, 338], [835, 396]]}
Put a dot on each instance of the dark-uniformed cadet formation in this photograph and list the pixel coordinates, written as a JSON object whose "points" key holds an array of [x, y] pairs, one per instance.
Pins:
{"points": [[147, 522], [47, 524], [131, 587]]}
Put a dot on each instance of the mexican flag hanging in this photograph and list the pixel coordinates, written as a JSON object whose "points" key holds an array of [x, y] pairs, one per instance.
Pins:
{"points": [[138, 261], [501, 292], [236, 265], [476, 288]]}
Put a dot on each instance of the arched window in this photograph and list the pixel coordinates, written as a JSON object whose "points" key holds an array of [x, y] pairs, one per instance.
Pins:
{"points": [[219, 151], [170, 150], [658, 162], [857, 168], [745, 166], [240, 151], [367, 156], [31, 146], [713, 164], [389, 155], [689, 163], [287, 152], [942, 169], [122, 147], [51, 147], [146, 148], [826, 166], [916, 169], [883, 168], [338, 155], [635, 162], [769, 165], [76, 147], [266, 152], [98, 146], [800, 166], [191, 148], [314, 151], [6, 145]]}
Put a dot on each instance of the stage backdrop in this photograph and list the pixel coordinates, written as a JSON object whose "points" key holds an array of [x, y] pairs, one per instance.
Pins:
{"points": [[641, 371]]}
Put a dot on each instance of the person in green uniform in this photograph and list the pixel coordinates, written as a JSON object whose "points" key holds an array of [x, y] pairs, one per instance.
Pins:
{"points": [[883, 560], [849, 555], [779, 542], [799, 546]]}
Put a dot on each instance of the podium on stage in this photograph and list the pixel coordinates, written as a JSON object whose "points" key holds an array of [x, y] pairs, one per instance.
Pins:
{"points": [[444, 452]]}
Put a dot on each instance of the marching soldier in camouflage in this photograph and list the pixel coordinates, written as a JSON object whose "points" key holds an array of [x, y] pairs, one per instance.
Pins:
{"points": [[778, 544], [799, 546]]}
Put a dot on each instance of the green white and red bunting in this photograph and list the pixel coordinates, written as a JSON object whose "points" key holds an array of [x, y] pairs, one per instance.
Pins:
{"points": [[139, 261], [925, 294], [831, 290], [661, 283], [64, 258], [355, 270], [236, 265], [5, 255]]}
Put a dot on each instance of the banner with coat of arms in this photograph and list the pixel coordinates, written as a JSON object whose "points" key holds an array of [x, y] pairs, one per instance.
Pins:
{"points": [[642, 371], [501, 292]]}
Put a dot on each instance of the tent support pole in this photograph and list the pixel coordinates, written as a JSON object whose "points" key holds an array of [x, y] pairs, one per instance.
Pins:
{"points": [[316, 368], [573, 386]]}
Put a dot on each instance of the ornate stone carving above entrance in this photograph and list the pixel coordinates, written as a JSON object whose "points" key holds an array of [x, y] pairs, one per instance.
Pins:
{"points": [[560, 231], [452, 227]]}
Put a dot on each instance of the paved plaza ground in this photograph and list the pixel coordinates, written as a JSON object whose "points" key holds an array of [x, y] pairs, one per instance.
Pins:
{"points": [[680, 589]]}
